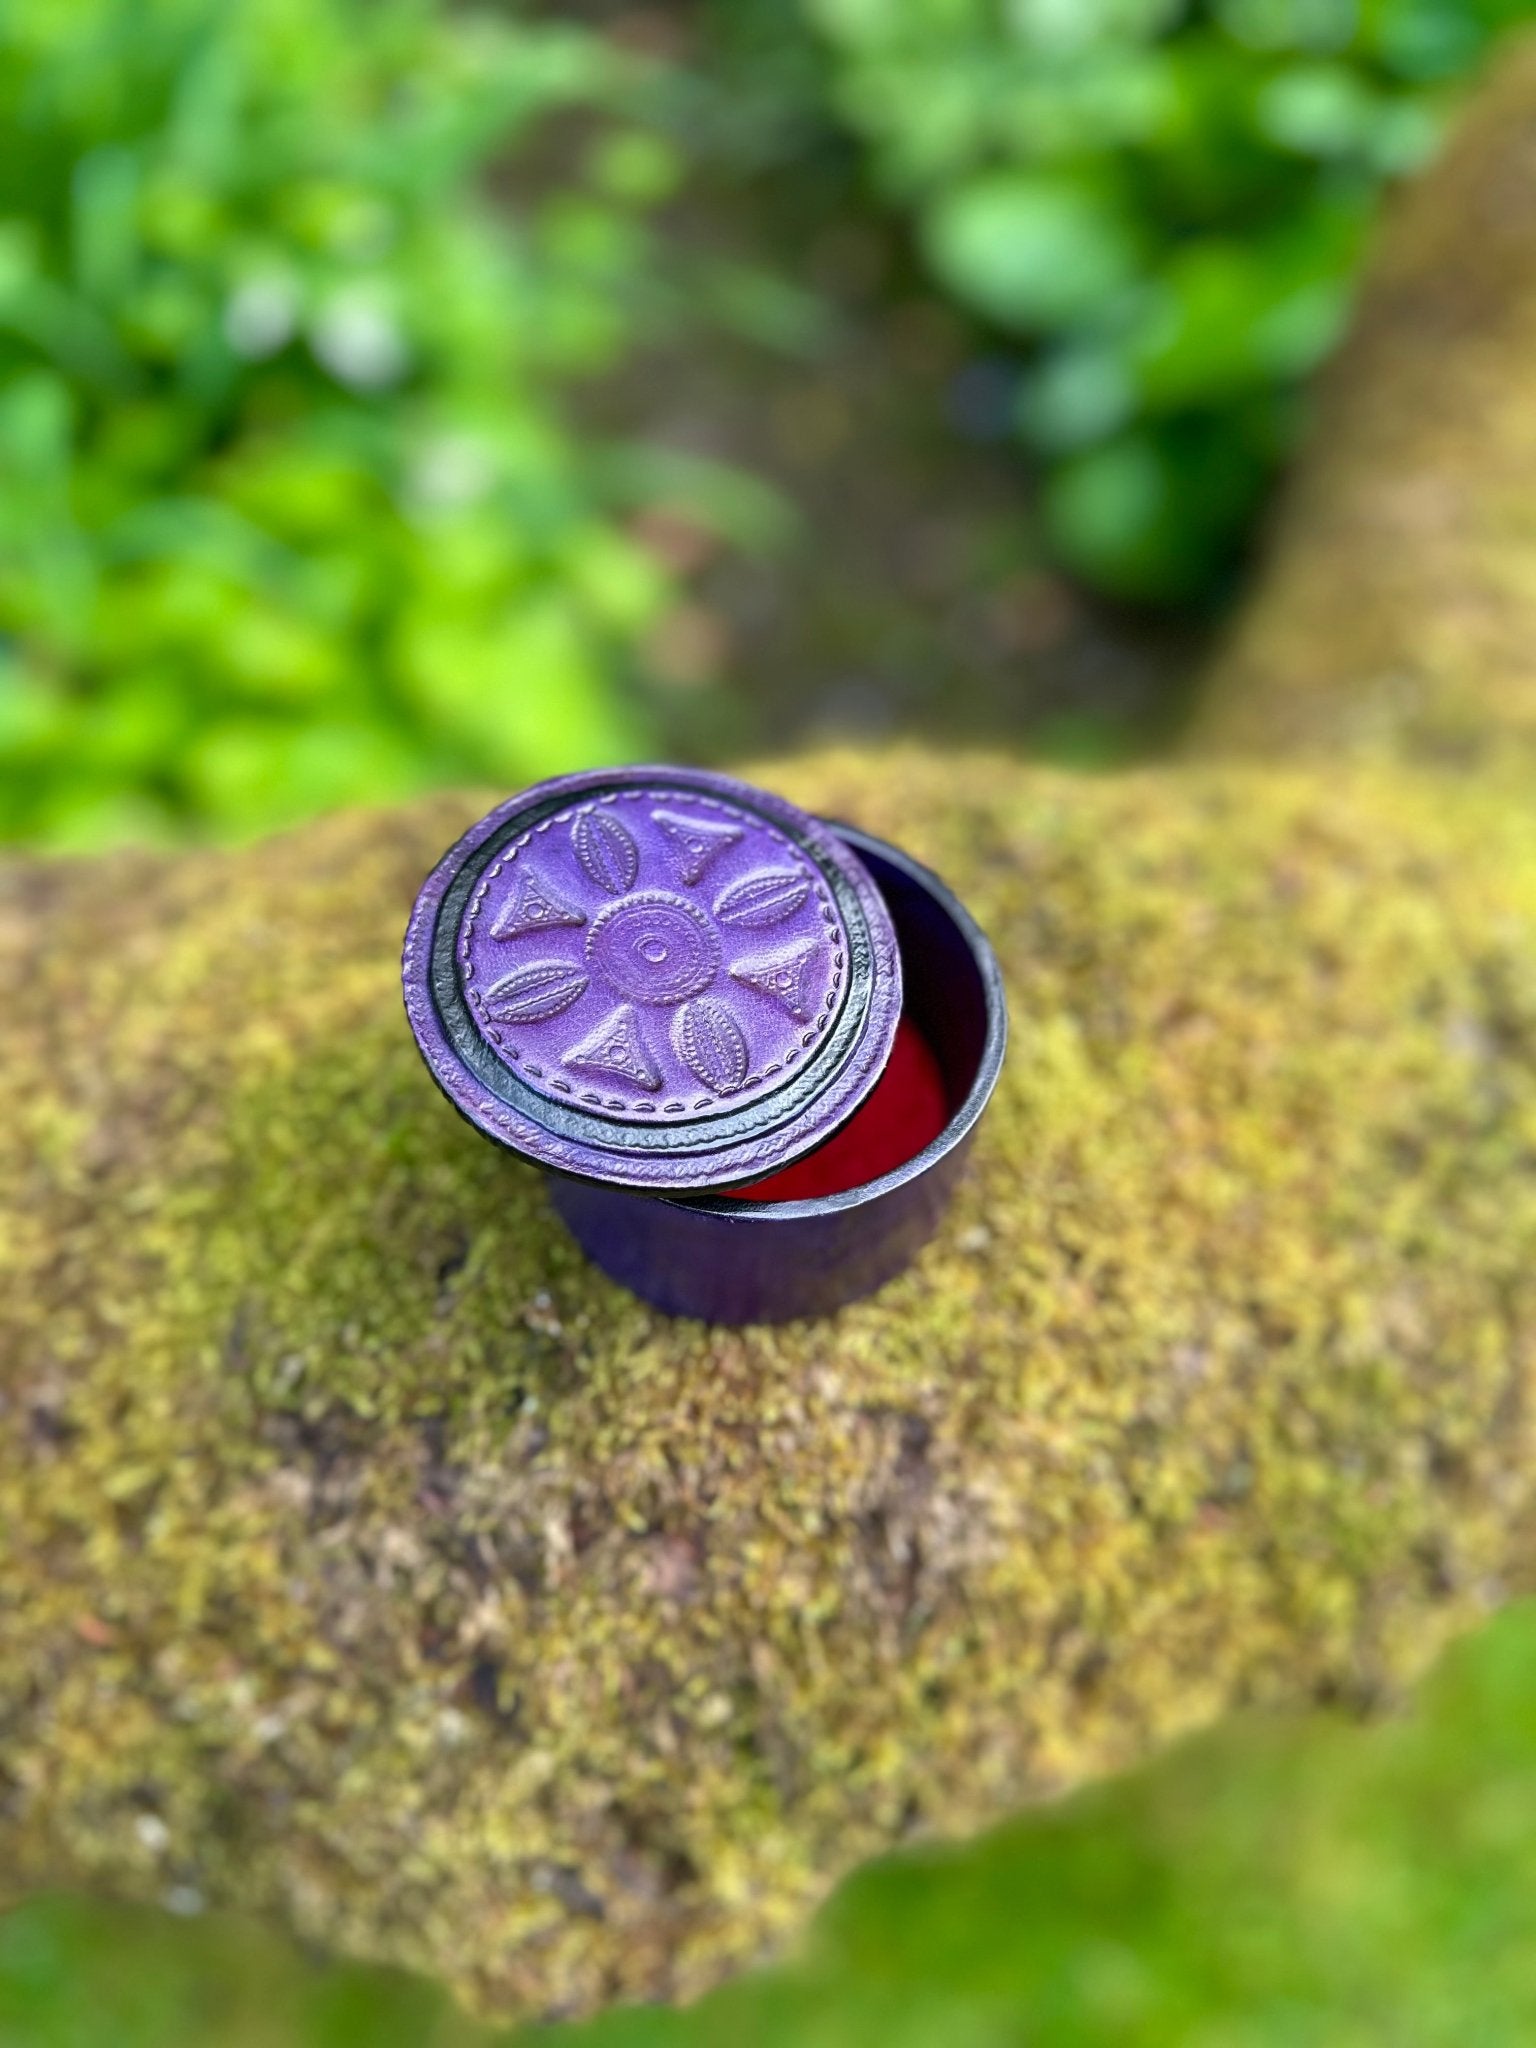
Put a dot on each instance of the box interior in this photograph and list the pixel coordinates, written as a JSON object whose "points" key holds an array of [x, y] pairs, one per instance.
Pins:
{"points": [[933, 1063]]}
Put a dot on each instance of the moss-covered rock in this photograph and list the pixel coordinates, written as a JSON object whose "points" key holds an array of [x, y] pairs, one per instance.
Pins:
{"points": [[371, 1562], [374, 1563]]}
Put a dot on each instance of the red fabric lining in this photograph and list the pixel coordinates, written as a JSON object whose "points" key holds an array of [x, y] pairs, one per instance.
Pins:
{"points": [[904, 1111]]}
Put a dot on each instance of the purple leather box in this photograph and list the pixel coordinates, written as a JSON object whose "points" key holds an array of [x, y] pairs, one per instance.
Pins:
{"points": [[660, 984]]}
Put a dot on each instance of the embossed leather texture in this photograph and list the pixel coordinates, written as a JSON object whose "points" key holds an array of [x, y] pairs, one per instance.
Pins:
{"points": [[659, 977]]}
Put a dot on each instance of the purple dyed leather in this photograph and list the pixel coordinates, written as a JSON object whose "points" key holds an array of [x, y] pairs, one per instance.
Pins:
{"points": [[656, 978], [652, 953]]}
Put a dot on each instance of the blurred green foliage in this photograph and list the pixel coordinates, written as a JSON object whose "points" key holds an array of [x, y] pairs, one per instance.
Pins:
{"points": [[296, 505], [1167, 200], [1278, 1883], [289, 510]]}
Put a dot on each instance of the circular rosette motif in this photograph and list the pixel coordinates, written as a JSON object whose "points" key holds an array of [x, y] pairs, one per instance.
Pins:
{"points": [[654, 947]]}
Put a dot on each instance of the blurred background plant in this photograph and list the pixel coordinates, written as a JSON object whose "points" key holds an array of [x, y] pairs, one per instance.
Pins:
{"points": [[290, 509], [341, 451], [1168, 203]]}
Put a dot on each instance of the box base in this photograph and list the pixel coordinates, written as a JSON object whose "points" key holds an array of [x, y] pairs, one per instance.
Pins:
{"points": [[740, 1258]]}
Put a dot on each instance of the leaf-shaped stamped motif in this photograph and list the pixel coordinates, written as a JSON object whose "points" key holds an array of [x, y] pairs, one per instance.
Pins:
{"points": [[607, 852], [530, 994], [709, 1042], [766, 896]]}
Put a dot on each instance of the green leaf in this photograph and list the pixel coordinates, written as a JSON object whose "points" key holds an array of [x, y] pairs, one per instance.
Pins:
{"points": [[518, 696], [1076, 396], [105, 228], [1232, 317], [1150, 515], [1320, 110], [1035, 252]]}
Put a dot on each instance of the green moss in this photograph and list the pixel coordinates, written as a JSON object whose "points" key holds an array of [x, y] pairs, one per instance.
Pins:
{"points": [[1278, 1880], [1271, 1883], [446, 1604]]}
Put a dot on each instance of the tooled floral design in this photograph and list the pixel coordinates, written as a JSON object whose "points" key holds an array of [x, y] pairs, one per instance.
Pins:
{"points": [[599, 949]]}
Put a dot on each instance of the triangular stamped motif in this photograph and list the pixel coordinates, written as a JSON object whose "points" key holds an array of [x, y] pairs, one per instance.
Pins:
{"points": [[532, 907], [785, 975], [692, 843], [618, 1047]]}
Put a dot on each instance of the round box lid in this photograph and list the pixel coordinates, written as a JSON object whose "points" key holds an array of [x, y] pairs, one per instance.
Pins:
{"points": [[656, 977]]}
